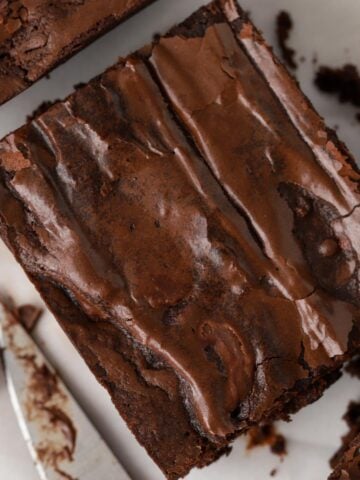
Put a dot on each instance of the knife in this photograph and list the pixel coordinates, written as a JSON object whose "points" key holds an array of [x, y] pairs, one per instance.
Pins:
{"points": [[62, 441]]}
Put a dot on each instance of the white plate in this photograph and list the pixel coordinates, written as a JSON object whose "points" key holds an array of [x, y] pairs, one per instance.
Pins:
{"points": [[328, 28]]}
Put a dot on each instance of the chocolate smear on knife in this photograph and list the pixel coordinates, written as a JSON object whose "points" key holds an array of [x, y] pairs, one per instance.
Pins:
{"points": [[46, 404]]}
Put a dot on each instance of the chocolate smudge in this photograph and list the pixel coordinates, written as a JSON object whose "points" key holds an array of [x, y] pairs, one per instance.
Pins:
{"points": [[45, 403]]}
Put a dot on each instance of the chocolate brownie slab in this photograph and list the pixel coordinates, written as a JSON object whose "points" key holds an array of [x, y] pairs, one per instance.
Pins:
{"points": [[194, 227]]}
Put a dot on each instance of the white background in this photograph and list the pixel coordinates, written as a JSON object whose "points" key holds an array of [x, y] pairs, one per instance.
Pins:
{"points": [[327, 28]]}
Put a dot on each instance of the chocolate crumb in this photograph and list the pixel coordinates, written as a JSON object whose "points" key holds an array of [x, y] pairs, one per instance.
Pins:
{"points": [[278, 447], [284, 25], [343, 82], [273, 472], [353, 367], [29, 316], [267, 435]]}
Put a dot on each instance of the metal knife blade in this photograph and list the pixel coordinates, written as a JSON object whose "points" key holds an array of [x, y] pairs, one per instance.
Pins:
{"points": [[62, 441]]}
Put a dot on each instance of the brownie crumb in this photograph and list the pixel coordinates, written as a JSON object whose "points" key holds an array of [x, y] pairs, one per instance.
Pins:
{"points": [[284, 25], [29, 316], [273, 472], [343, 82], [278, 445], [353, 367], [267, 435]]}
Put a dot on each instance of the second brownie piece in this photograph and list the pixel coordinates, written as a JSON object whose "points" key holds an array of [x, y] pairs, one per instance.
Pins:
{"points": [[38, 35], [194, 227]]}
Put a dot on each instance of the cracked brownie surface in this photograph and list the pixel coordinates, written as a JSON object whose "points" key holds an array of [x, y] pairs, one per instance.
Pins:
{"points": [[37, 35], [194, 227]]}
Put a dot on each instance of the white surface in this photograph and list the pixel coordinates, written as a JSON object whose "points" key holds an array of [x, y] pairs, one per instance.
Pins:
{"points": [[327, 27]]}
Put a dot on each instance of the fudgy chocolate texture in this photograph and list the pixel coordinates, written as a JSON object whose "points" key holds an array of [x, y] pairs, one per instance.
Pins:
{"points": [[195, 229], [37, 35]]}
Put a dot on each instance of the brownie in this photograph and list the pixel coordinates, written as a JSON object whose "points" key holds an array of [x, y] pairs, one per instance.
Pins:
{"points": [[194, 228], [346, 462], [38, 35]]}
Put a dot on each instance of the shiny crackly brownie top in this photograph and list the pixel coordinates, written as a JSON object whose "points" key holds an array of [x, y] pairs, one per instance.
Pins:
{"points": [[191, 197]]}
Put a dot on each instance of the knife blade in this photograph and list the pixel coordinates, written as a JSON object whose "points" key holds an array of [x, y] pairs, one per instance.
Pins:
{"points": [[62, 441]]}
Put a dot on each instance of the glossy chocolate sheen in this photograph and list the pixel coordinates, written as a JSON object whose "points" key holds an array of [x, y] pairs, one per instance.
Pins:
{"points": [[37, 35], [195, 228]]}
